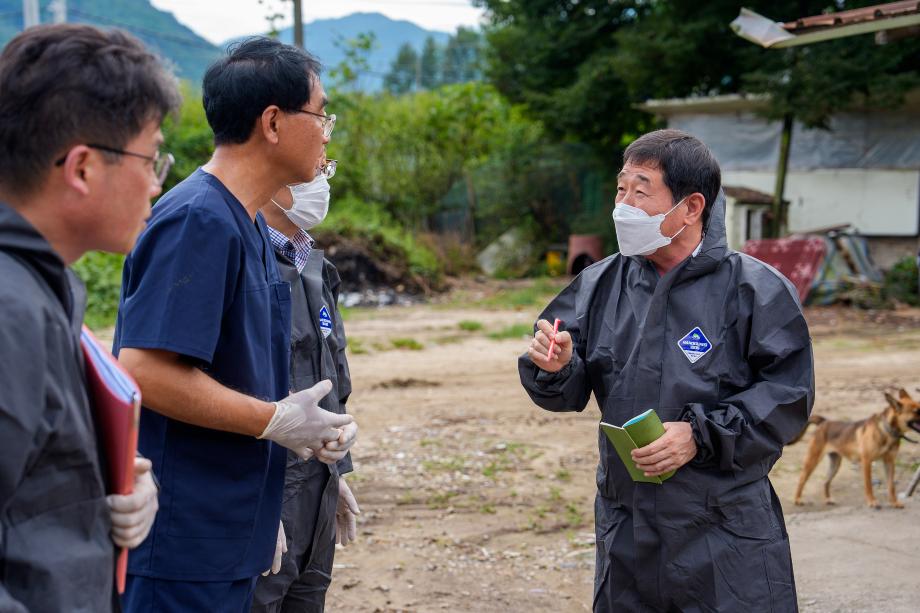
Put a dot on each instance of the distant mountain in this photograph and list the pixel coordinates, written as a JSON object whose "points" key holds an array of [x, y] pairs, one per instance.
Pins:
{"points": [[188, 53], [321, 38]]}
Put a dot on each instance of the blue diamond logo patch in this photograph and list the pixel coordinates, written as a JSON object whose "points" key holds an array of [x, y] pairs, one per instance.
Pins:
{"points": [[695, 345], [325, 322]]}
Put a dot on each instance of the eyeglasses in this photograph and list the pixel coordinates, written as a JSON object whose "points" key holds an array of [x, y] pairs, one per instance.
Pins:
{"points": [[161, 163], [328, 169], [328, 121]]}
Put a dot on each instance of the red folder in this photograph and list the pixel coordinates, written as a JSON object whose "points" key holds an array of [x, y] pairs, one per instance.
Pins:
{"points": [[116, 401]]}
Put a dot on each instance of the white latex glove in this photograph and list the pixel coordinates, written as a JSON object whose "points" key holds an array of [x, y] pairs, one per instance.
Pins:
{"points": [[333, 451], [133, 514], [280, 550], [301, 425], [346, 524]]}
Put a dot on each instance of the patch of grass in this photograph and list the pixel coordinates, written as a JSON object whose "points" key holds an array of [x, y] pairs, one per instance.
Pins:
{"points": [[513, 331], [407, 499], [429, 442], [448, 465], [537, 294], [378, 346], [563, 475], [555, 495], [356, 346], [470, 325], [450, 339], [441, 500], [487, 509], [573, 515], [407, 343]]}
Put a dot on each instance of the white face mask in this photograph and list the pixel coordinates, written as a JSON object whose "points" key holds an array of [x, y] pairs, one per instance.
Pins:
{"points": [[311, 203], [638, 233]]}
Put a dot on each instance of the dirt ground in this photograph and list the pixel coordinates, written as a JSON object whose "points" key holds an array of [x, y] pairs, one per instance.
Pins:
{"points": [[474, 499]]}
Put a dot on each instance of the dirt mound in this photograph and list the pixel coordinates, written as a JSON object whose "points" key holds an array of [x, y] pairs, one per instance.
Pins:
{"points": [[365, 267]]}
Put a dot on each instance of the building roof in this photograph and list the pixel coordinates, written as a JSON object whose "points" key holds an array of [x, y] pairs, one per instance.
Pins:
{"points": [[737, 103], [876, 13], [806, 30], [746, 195]]}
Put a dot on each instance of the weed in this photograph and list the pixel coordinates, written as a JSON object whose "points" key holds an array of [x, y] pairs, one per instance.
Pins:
{"points": [[356, 346], [407, 343], [513, 331], [563, 475], [470, 325], [449, 465], [441, 500]]}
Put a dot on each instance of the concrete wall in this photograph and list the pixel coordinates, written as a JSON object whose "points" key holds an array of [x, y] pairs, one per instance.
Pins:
{"points": [[874, 202], [887, 251]]}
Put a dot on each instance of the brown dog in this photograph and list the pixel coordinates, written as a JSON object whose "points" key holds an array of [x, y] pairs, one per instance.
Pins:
{"points": [[864, 441]]}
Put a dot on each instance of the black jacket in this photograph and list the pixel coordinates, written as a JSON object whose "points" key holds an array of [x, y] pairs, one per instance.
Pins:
{"points": [[55, 550]]}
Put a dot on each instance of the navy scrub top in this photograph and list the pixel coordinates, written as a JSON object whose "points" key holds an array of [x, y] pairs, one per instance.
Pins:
{"points": [[202, 281]]}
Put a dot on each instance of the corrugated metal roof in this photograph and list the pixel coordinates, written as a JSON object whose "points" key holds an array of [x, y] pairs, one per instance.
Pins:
{"points": [[901, 17], [853, 16]]}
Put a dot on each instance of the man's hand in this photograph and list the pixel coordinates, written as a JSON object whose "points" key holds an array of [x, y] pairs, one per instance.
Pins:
{"points": [[675, 448], [301, 425], [333, 451], [133, 514], [346, 526], [539, 348]]}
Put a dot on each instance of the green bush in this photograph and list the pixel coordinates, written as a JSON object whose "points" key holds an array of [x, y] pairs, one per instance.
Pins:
{"points": [[101, 273], [901, 282], [188, 137]]}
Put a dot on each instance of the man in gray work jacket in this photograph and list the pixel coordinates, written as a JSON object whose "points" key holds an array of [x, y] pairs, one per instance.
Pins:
{"points": [[318, 505], [716, 342]]}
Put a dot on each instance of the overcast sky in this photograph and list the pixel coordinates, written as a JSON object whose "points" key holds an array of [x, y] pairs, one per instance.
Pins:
{"points": [[218, 20]]}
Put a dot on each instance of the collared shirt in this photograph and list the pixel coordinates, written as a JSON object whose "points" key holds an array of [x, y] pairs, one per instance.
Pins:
{"points": [[296, 249], [696, 251]]}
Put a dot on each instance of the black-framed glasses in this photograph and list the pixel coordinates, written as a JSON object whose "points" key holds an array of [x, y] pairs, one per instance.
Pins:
{"points": [[328, 121], [161, 163]]}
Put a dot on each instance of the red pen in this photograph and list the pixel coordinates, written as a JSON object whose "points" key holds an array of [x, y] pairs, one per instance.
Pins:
{"points": [[552, 342]]}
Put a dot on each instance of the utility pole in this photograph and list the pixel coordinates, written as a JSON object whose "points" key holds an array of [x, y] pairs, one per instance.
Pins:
{"points": [[30, 14], [779, 209], [298, 23], [58, 10]]}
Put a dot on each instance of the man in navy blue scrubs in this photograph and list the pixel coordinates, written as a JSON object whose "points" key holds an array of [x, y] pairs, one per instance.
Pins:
{"points": [[204, 327]]}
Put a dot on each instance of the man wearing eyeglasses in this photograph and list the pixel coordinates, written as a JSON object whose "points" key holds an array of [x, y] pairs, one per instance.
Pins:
{"points": [[78, 167], [204, 327], [319, 507]]}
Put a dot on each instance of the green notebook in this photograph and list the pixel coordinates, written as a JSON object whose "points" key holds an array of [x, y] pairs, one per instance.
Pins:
{"points": [[635, 433]]}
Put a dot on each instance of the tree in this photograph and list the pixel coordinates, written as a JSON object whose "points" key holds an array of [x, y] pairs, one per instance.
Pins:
{"points": [[558, 58], [430, 65], [462, 57], [403, 71]]}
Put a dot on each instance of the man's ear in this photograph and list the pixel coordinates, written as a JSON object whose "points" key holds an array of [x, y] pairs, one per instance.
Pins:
{"points": [[269, 122], [79, 165], [696, 204]]}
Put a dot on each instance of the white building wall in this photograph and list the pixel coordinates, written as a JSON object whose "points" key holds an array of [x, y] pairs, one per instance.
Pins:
{"points": [[874, 202]]}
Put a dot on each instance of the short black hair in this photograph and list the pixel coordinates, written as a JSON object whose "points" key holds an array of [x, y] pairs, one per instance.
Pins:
{"points": [[66, 84], [686, 164], [256, 73]]}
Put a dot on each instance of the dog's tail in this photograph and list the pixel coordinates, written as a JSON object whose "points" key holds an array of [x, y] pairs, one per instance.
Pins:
{"points": [[813, 420]]}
